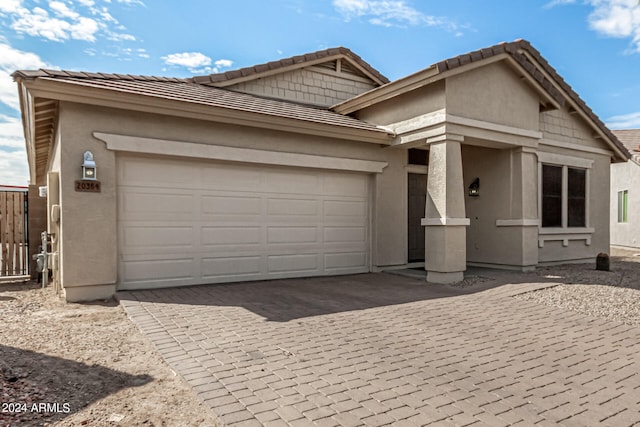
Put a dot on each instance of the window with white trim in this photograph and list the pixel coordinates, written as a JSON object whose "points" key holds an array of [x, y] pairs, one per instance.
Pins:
{"points": [[623, 200], [564, 196]]}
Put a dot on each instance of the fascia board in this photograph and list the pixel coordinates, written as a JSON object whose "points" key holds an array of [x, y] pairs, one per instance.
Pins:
{"points": [[27, 112]]}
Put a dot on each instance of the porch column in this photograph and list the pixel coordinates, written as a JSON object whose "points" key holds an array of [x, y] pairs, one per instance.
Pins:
{"points": [[445, 222], [523, 219]]}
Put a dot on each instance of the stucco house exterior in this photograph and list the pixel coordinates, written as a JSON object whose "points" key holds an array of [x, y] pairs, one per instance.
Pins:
{"points": [[625, 194], [316, 165]]}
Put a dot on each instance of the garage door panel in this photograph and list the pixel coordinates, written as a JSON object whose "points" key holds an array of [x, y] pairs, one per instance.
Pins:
{"points": [[293, 182], [232, 235], [345, 261], [148, 206], [343, 208], [277, 235], [231, 266], [231, 178], [165, 237], [237, 222], [344, 234], [345, 185], [294, 263], [231, 205], [144, 172], [293, 207], [153, 270]]}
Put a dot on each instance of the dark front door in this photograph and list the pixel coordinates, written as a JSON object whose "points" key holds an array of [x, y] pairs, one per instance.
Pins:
{"points": [[417, 201]]}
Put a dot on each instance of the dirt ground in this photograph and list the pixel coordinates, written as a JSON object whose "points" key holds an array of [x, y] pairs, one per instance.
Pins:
{"points": [[83, 364], [87, 364]]}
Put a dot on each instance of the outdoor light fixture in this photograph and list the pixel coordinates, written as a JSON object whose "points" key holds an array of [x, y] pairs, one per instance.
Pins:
{"points": [[88, 167], [474, 188]]}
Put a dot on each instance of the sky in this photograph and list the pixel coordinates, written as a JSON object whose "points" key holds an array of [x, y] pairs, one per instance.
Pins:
{"points": [[593, 44]]}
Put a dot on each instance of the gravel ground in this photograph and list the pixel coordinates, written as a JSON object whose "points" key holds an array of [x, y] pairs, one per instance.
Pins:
{"points": [[83, 364], [89, 365], [612, 295]]}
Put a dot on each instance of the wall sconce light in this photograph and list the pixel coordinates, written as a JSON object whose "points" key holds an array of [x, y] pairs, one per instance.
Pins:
{"points": [[474, 188], [88, 167]]}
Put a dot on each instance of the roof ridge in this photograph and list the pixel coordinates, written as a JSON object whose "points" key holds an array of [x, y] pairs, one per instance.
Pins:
{"points": [[285, 62], [43, 72]]}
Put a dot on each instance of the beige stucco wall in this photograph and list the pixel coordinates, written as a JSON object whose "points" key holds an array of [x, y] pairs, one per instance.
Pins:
{"points": [[308, 85], [408, 105], [493, 93], [625, 176], [486, 242], [563, 126], [598, 214], [88, 225]]}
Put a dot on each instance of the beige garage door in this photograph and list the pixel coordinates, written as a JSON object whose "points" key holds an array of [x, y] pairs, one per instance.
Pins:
{"points": [[187, 222]]}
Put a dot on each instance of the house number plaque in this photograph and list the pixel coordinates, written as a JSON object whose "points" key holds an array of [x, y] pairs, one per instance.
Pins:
{"points": [[88, 186]]}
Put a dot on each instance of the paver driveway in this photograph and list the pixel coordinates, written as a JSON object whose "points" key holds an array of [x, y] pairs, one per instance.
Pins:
{"points": [[381, 349]]}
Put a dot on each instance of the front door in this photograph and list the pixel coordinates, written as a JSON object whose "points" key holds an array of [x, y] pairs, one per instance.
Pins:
{"points": [[417, 201]]}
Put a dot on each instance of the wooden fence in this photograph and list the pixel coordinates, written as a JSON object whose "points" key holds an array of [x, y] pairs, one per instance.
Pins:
{"points": [[14, 250]]}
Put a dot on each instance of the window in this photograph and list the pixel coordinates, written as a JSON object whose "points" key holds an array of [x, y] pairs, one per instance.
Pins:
{"points": [[576, 197], [623, 197], [551, 196], [418, 157], [562, 208]]}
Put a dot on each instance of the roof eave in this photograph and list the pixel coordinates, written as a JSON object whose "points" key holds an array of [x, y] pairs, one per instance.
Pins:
{"points": [[61, 91]]}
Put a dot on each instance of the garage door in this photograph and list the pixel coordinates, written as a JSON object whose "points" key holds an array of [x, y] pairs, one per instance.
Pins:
{"points": [[187, 222]]}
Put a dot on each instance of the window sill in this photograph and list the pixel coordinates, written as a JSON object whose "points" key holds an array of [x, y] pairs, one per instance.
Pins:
{"points": [[564, 235]]}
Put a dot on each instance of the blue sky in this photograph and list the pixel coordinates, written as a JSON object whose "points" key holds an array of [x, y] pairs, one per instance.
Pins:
{"points": [[593, 44]]}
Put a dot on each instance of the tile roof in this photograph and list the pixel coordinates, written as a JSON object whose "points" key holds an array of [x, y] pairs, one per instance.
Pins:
{"points": [[286, 62], [630, 138], [185, 90], [518, 50]]}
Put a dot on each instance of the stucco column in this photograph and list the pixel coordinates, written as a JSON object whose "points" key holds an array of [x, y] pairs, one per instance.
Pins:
{"points": [[523, 220], [445, 222]]}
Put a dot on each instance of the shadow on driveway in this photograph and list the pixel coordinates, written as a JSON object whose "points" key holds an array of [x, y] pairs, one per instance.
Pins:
{"points": [[288, 299]]}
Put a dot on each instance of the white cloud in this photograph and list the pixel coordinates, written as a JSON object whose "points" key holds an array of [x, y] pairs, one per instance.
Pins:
{"points": [[625, 121], [617, 18], [612, 18], [223, 63], [388, 13], [554, 3], [187, 59], [196, 62], [10, 60], [67, 24], [62, 10], [58, 20], [10, 5], [14, 169], [11, 134]]}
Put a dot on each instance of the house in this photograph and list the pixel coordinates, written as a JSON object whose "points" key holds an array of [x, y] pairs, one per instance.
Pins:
{"points": [[625, 197], [316, 165]]}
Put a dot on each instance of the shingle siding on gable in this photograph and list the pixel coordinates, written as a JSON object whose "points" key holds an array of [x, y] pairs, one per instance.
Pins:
{"points": [[307, 86], [560, 125]]}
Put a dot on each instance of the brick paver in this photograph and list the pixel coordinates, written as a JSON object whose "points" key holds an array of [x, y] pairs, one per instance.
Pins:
{"points": [[380, 349]]}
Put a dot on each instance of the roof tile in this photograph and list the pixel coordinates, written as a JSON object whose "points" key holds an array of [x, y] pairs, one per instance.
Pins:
{"points": [[286, 62], [184, 90]]}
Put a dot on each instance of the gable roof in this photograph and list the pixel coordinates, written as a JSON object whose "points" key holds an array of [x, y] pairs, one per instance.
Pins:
{"points": [[630, 138], [354, 62], [539, 73]]}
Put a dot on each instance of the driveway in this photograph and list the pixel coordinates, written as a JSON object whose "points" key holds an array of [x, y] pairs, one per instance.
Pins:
{"points": [[382, 349]]}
